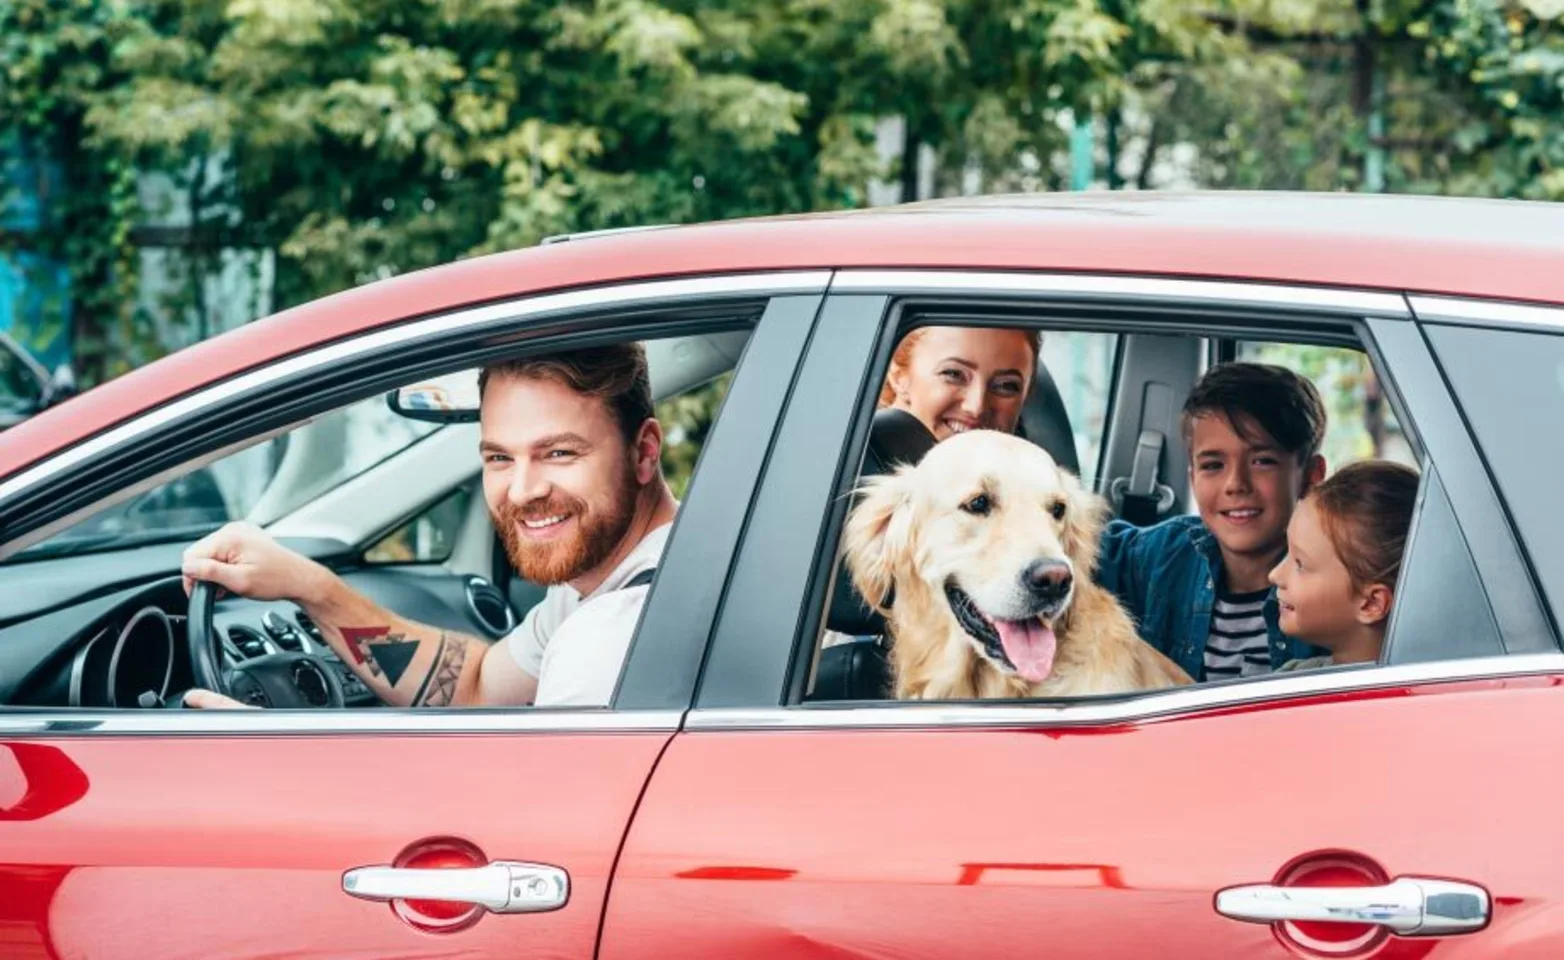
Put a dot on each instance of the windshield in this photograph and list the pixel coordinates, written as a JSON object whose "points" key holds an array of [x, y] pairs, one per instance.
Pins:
{"points": [[261, 483]]}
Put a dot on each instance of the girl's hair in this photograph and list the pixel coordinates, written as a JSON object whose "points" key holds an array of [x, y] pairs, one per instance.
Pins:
{"points": [[1366, 510], [903, 355]]}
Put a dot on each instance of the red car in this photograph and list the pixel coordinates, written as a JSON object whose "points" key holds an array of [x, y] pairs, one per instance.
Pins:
{"points": [[749, 794]]}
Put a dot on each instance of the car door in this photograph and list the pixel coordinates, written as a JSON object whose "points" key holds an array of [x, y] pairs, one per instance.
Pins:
{"points": [[1416, 797], [132, 834]]}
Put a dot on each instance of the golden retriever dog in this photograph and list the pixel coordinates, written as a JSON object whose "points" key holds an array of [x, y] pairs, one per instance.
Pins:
{"points": [[987, 549]]}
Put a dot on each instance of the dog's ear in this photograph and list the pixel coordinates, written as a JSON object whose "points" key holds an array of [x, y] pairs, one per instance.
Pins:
{"points": [[879, 531], [1083, 524]]}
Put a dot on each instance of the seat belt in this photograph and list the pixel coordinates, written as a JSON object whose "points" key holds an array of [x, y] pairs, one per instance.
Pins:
{"points": [[1140, 499]]}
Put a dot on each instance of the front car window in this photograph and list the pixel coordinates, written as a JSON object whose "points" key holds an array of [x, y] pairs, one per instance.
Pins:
{"points": [[261, 483]]}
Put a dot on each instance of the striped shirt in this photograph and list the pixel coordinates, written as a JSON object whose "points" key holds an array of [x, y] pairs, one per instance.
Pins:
{"points": [[1238, 645]]}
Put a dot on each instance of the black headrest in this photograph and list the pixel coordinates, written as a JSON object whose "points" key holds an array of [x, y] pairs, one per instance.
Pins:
{"points": [[852, 671], [895, 437]]}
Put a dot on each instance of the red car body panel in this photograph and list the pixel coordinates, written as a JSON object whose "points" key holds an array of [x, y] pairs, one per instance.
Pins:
{"points": [[1086, 841], [1496, 249], [222, 847], [1091, 842]]}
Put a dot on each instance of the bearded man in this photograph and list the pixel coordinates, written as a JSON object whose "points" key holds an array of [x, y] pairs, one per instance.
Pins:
{"points": [[572, 475]]}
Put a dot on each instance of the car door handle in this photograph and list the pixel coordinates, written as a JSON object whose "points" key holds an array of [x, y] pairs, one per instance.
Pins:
{"points": [[1407, 906], [504, 886]]}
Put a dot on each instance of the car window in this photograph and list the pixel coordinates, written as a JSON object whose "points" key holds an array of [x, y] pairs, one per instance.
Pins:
{"points": [[260, 483], [1511, 386], [1361, 423], [427, 538], [687, 419], [19, 390], [1081, 364], [898, 551], [561, 478]]}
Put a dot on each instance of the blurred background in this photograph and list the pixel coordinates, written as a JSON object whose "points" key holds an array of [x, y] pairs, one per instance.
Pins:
{"points": [[170, 169]]}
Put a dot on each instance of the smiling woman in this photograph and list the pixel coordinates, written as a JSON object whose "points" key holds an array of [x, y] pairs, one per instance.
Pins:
{"points": [[955, 379]]}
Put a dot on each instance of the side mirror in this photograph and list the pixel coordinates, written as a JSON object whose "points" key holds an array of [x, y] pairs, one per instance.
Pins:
{"points": [[449, 399], [62, 385]]}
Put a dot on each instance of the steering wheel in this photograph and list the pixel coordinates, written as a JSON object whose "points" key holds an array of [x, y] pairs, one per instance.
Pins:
{"points": [[290, 680]]}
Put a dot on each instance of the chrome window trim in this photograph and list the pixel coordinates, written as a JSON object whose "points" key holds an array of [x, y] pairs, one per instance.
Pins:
{"points": [[1227, 293], [23, 722], [1487, 313], [335, 354], [1148, 706]]}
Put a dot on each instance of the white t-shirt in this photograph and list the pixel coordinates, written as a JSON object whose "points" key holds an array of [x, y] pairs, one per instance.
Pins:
{"points": [[576, 645]]}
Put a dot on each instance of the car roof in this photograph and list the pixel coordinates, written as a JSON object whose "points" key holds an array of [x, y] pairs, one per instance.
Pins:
{"points": [[1505, 249]]}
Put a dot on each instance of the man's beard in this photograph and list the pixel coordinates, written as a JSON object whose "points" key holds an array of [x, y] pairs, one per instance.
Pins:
{"points": [[548, 562]]}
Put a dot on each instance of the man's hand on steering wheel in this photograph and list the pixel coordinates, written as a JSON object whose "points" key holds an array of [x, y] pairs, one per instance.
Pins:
{"points": [[208, 700], [244, 559]]}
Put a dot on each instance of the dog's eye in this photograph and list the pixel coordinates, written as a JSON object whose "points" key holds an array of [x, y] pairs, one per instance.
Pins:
{"points": [[1056, 509], [978, 505]]}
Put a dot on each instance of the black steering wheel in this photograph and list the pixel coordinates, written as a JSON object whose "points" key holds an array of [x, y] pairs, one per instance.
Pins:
{"points": [[289, 680]]}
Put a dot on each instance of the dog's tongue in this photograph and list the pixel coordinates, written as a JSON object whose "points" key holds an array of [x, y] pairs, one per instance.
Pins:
{"points": [[1030, 645]]}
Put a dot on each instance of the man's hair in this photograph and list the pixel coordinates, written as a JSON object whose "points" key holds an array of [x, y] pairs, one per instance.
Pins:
{"points": [[616, 374], [1282, 403]]}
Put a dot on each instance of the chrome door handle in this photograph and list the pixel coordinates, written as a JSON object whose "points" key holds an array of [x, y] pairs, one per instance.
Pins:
{"points": [[1407, 906], [504, 886]]}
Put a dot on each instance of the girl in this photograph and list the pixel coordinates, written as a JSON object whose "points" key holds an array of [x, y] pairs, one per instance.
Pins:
{"points": [[1335, 587]]}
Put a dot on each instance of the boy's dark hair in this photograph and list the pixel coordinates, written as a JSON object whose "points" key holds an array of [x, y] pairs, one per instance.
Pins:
{"points": [[616, 374], [1282, 403]]}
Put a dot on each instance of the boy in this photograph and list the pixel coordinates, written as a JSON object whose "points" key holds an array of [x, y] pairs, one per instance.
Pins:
{"points": [[1197, 586]]}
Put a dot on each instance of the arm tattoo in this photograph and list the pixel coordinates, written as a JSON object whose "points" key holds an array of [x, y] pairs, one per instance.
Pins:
{"points": [[379, 651], [439, 686]]}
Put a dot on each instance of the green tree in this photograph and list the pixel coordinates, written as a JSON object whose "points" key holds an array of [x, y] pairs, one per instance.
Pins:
{"points": [[54, 59], [362, 138]]}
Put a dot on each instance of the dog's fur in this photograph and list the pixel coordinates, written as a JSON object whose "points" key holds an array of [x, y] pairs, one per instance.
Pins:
{"points": [[911, 535]]}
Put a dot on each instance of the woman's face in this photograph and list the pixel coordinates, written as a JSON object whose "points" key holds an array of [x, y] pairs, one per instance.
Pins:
{"points": [[965, 378]]}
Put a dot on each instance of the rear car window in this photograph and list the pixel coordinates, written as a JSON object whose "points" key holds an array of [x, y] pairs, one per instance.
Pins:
{"points": [[1511, 386]]}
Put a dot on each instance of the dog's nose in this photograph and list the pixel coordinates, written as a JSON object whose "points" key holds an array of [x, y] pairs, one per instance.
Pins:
{"points": [[1048, 580]]}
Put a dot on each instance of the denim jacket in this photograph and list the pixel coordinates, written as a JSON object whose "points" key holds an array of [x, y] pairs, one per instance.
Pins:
{"points": [[1166, 577]]}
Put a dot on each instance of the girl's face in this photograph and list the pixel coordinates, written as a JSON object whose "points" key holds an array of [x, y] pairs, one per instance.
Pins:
{"points": [[965, 378], [1318, 600]]}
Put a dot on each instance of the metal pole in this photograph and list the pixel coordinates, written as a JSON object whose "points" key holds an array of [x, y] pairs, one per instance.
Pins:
{"points": [[1081, 149]]}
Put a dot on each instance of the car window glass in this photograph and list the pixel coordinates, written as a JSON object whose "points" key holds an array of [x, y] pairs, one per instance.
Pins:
{"points": [[1511, 386], [1361, 424], [424, 569], [853, 660], [260, 483], [427, 538], [18, 386], [1442, 611], [1081, 364], [687, 419]]}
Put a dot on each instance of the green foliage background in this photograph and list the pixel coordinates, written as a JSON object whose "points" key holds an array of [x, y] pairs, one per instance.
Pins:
{"points": [[356, 139]]}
